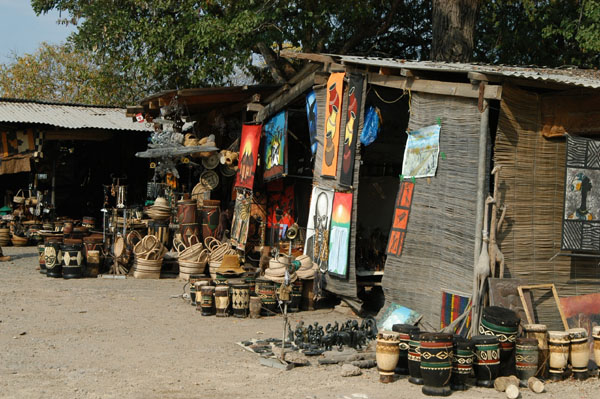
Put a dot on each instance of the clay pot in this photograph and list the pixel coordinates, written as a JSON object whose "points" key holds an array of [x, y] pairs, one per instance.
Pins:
{"points": [[579, 352], [436, 363], [558, 344], [487, 359], [404, 331], [527, 357], [386, 353]]}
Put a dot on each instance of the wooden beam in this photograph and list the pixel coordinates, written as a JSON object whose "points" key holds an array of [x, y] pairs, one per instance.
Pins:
{"points": [[325, 59], [406, 73], [482, 77], [133, 110], [286, 98], [254, 107], [492, 92]]}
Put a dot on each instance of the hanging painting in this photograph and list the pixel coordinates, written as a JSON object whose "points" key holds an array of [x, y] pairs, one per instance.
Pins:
{"points": [[311, 115], [241, 218], [400, 221], [339, 236], [281, 209], [333, 116], [276, 147], [249, 154], [13, 142], [355, 87], [581, 218], [453, 306], [421, 152], [317, 230]]}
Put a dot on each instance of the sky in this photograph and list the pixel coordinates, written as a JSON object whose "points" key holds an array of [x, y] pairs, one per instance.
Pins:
{"points": [[22, 31]]}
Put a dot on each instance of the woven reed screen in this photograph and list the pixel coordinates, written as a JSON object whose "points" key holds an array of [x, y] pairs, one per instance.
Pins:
{"points": [[343, 287], [439, 243], [532, 186]]}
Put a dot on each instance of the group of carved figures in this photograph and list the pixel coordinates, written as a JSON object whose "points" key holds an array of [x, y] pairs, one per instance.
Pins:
{"points": [[349, 333]]}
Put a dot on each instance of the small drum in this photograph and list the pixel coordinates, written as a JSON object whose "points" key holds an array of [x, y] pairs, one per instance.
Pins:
{"points": [[579, 352], [462, 363], [206, 300], [52, 259], [540, 333], [240, 300], [559, 343], [386, 354], [527, 357], [414, 358], [222, 300], [72, 260], [436, 363], [404, 331], [265, 289], [504, 324], [487, 359]]}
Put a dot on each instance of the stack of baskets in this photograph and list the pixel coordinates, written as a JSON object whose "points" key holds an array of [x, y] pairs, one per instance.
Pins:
{"points": [[192, 259], [217, 251], [148, 254], [4, 237], [19, 241], [276, 270]]}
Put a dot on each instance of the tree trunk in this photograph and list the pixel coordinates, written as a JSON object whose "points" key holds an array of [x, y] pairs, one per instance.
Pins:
{"points": [[453, 29]]}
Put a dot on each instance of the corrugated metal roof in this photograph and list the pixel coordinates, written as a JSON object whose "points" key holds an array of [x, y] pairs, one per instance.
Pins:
{"points": [[68, 116], [568, 76]]}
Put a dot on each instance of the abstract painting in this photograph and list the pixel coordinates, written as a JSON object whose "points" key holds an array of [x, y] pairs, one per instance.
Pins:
{"points": [[339, 235], [311, 115], [421, 152], [276, 147], [453, 306], [355, 87], [248, 156], [581, 218], [241, 218], [400, 221], [317, 229], [333, 116]]}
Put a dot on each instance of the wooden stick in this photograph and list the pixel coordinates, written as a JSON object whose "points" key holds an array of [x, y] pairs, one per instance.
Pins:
{"points": [[512, 391], [535, 385], [501, 383]]}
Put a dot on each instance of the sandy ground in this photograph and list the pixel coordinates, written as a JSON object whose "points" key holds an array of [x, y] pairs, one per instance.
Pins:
{"points": [[97, 338]]}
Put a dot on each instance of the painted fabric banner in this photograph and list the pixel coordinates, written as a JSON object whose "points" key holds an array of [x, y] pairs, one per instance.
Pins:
{"points": [[333, 116], [248, 156], [400, 221], [276, 147], [454, 305], [317, 230], [311, 115], [339, 237], [355, 88], [421, 153], [14, 142], [581, 218], [241, 218]]}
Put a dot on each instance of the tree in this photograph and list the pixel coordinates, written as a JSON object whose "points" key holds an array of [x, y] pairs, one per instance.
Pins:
{"points": [[61, 73], [190, 43], [453, 25], [545, 33]]}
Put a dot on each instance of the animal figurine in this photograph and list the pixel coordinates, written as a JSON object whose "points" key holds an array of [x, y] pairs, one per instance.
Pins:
{"points": [[482, 268]]}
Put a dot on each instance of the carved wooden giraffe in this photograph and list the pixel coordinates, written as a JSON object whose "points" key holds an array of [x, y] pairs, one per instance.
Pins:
{"points": [[496, 256], [482, 268]]}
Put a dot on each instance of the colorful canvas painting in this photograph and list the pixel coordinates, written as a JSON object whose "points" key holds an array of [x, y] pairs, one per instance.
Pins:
{"points": [[400, 221], [582, 311], [248, 156], [281, 209], [454, 305], [13, 142], [354, 100], [421, 152], [311, 115], [317, 229], [333, 116], [397, 314], [241, 218], [339, 235], [581, 218], [276, 147]]}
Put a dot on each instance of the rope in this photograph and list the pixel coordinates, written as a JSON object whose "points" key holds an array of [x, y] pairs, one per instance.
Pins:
{"points": [[392, 101]]}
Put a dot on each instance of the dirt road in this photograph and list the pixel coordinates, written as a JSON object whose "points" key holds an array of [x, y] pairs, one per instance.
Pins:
{"points": [[96, 338]]}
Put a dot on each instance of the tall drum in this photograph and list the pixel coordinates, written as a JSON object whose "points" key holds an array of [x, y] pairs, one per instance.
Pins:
{"points": [[487, 359], [240, 300], [265, 289], [210, 217], [462, 363], [386, 354], [206, 300], [504, 324], [403, 331], [222, 300], [540, 333], [527, 357], [579, 352], [72, 260], [436, 363], [414, 358], [558, 344], [188, 221]]}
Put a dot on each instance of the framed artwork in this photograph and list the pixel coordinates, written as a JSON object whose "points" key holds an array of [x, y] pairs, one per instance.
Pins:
{"points": [[333, 116], [317, 229], [311, 115], [581, 218], [339, 235], [275, 147], [241, 218], [248, 156], [355, 88], [400, 222], [421, 152]]}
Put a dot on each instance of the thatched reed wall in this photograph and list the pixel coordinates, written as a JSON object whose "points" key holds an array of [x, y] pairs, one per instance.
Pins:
{"points": [[532, 186], [439, 245]]}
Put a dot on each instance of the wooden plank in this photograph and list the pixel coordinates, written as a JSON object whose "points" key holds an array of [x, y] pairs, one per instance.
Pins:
{"points": [[286, 98], [325, 59], [174, 151], [492, 92], [132, 110], [482, 77], [254, 107]]}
